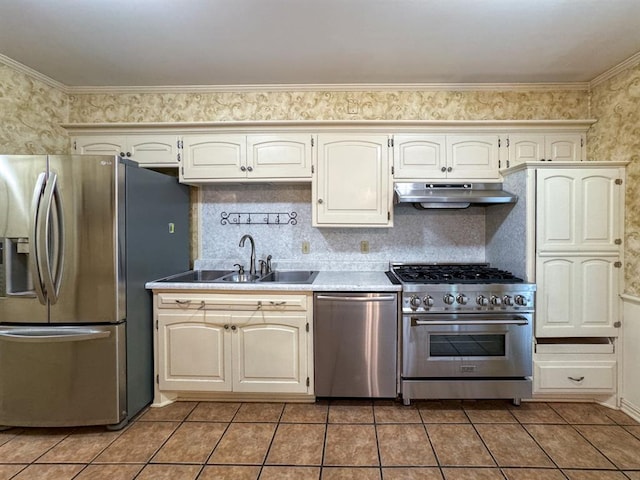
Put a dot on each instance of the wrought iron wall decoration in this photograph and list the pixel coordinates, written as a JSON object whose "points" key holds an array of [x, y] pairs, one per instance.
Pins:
{"points": [[274, 218]]}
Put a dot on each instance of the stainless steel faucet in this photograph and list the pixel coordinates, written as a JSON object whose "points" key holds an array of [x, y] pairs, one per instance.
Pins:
{"points": [[252, 266]]}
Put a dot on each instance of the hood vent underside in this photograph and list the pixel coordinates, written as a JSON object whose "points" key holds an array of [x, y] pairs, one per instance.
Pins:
{"points": [[451, 195]]}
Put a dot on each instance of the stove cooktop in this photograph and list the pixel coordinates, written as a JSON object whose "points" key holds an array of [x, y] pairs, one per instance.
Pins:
{"points": [[471, 273]]}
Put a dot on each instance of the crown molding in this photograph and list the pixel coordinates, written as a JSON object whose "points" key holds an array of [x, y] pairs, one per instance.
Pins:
{"points": [[630, 62], [30, 72], [364, 87]]}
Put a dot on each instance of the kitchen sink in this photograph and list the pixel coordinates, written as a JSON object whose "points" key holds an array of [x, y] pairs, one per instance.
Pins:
{"points": [[231, 276], [196, 276], [295, 276], [239, 278]]}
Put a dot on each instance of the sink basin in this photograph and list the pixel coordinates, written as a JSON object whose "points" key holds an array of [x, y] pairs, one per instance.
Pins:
{"points": [[295, 276], [239, 278], [195, 276]]}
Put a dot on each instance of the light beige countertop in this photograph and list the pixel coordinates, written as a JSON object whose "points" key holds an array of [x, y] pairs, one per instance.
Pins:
{"points": [[331, 281]]}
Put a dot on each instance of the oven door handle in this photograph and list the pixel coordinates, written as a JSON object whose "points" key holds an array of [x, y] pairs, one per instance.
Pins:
{"points": [[516, 321]]}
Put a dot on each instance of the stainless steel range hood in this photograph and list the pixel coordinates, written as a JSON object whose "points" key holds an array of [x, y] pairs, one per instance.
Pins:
{"points": [[451, 195]]}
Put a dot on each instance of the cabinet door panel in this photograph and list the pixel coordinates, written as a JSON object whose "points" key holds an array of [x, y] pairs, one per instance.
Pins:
{"points": [[100, 145], [600, 218], [353, 182], [211, 157], [194, 354], [419, 156], [473, 156], [576, 296], [153, 149], [525, 148], [269, 355], [279, 156], [557, 211], [563, 147]]}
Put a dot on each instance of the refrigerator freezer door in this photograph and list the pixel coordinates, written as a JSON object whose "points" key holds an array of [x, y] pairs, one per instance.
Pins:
{"points": [[62, 376], [22, 180], [89, 289]]}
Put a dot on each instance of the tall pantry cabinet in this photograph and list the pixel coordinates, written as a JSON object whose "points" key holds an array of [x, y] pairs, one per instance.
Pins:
{"points": [[568, 225]]}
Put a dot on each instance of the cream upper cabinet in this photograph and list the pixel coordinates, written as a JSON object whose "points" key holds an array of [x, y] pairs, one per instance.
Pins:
{"points": [[244, 343], [543, 147], [352, 185], [579, 215], [147, 150], [440, 157], [224, 157], [579, 210]]}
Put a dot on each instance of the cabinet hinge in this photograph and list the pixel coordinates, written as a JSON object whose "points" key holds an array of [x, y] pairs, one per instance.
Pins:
{"points": [[582, 142], [308, 382], [499, 143], [507, 143], [618, 264], [312, 141], [499, 163], [183, 171], [157, 326], [178, 156], [393, 169], [618, 181], [179, 143], [390, 142], [313, 169], [307, 326], [157, 379], [75, 146], [388, 215]]}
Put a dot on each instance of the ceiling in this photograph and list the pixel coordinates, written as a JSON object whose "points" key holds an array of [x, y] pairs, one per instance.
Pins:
{"points": [[119, 43]]}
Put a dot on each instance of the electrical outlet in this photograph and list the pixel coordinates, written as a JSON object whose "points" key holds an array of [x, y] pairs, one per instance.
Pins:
{"points": [[306, 248], [364, 246]]}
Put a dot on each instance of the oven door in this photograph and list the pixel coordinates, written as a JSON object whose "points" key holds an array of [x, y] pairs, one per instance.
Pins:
{"points": [[468, 345]]}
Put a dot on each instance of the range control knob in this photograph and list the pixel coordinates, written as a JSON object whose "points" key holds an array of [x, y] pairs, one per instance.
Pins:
{"points": [[462, 299], [495, 300], [448, 299], [414, 302], [521, 300], [482, 300], [507, 300], [428, 301]]}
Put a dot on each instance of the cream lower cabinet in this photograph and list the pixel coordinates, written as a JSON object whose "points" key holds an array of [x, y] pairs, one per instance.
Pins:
{"points": [[352, 186], [235, 343], [147, 150]]}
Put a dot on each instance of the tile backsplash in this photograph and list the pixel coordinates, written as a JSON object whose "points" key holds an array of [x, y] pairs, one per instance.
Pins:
{"points": [[417, 236]]}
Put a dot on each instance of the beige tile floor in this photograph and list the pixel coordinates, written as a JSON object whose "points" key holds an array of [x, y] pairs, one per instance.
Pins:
{"points": [[450, 440]]}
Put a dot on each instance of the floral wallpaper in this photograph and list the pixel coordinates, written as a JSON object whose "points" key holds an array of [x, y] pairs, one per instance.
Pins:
{"points": [[329, 105], [30, 115], [616, 136]]}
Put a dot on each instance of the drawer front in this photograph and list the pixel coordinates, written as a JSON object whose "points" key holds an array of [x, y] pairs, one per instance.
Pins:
{"points": [[576, 377], [270, 302]]}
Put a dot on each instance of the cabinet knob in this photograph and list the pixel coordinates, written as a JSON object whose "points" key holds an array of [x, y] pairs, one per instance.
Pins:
{"points": [[250, 169], [234, 328], [128, 154], [449, 169], [443, 169], [243, 168], [122, 154], [226, 327], [320, 200]]}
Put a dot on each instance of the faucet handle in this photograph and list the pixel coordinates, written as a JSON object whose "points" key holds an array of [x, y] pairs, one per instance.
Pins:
{"points": [[240, 268], [263, 267], [268, 262]]}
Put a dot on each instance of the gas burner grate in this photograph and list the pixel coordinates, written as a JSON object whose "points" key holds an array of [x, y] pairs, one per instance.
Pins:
{"points": [[453, 274]]}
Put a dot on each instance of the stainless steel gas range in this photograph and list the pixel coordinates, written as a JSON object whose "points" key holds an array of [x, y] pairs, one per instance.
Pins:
{"points": [[466, 332]]}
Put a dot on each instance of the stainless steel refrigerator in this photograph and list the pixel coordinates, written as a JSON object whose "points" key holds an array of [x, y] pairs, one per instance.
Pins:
{"points": [[79, 237]]}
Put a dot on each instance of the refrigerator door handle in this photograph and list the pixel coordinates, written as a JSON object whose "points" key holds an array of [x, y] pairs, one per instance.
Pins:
{"points": [[34, 264], [52, 334], [50, 246]]}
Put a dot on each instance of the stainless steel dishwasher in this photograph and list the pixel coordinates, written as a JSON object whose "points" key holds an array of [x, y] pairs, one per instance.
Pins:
{"points": [[355, 344]]}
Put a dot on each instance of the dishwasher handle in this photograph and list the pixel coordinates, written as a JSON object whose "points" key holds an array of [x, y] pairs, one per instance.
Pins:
{"points": [[356, 298]]}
